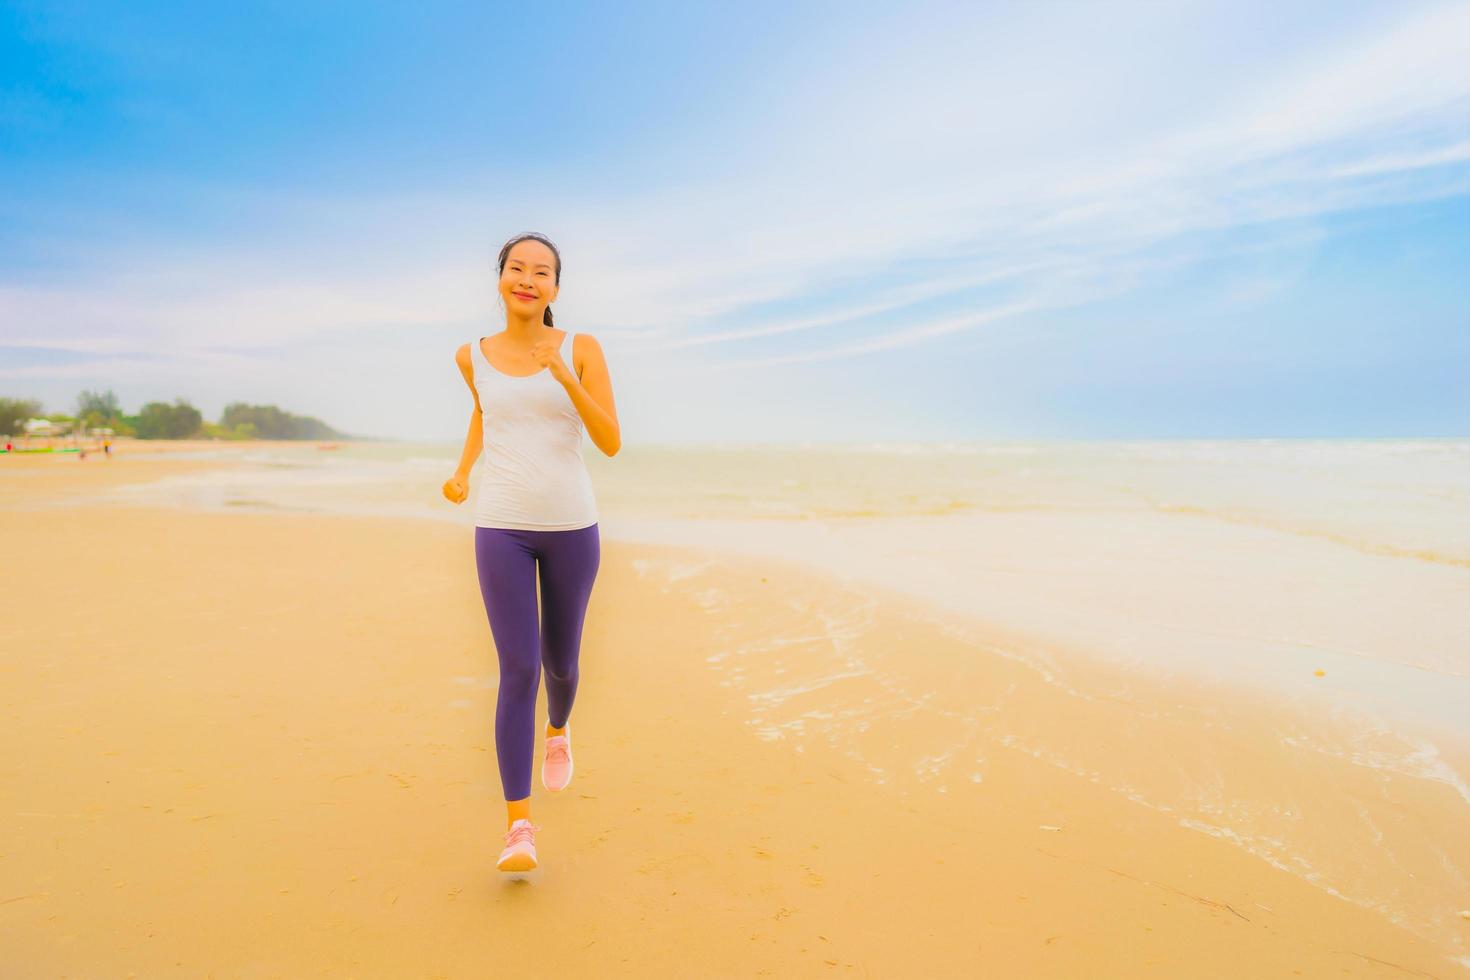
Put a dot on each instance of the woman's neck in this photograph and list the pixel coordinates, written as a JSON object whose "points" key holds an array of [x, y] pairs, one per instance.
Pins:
{"points": [[523, 331]]}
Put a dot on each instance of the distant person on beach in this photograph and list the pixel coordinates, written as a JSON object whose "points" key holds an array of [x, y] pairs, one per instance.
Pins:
{"points": [[535, 388], [107, 447]]}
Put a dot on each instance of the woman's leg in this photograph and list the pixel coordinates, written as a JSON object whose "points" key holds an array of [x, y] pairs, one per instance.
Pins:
{"points": [[506, 561], [569, 563]]}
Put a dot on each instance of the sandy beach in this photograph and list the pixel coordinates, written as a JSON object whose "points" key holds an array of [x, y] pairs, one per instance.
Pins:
{"points": [[259, 744]]}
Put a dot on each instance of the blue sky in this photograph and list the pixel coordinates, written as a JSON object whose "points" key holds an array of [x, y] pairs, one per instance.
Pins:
{"points": [[784, 222]]}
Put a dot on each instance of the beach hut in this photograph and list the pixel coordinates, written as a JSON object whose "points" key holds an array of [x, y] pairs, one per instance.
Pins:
{"points": [[42, 429]]}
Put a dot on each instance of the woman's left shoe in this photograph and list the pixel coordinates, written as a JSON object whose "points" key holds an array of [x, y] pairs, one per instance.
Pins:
{"points": [[556, 769], [520, 847]]}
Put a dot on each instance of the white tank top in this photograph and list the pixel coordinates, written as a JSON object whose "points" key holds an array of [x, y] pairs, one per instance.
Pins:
{"points": [[534, 476]]}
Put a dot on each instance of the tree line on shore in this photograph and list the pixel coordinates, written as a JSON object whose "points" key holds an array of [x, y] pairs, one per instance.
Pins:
{"points": [[162, 420]]}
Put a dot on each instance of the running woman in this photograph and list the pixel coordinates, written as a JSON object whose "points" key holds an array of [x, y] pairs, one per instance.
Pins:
{"points": [[535, 387]]}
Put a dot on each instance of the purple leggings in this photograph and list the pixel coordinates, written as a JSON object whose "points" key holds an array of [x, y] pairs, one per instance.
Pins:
{"points": [[506, 559]]}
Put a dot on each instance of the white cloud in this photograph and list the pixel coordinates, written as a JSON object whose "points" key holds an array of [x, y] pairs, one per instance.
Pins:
{"points": [[1399, 162], [898, 338]]}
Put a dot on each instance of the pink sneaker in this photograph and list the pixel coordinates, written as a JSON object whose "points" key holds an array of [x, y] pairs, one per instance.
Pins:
{"points": [[556, 769], [520, 847]]}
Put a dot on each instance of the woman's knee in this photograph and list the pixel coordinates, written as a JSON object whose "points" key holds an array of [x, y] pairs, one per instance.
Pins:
{"points": [[519, 679], [562, 673]]}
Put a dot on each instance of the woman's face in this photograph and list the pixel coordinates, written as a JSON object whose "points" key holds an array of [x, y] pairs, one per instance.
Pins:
{"points": [[528, 282]]}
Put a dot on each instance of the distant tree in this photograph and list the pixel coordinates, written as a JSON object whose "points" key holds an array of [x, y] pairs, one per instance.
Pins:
{"points": [[99, 409], [213, 430], [160, 420], [269, 422], [103, 403], [14, 412]]}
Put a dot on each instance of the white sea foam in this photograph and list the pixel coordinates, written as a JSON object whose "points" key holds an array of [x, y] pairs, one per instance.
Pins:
{"points": [[1415, 756]]}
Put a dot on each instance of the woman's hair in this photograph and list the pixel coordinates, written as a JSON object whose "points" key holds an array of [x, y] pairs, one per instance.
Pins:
{"points": [[505, 250]]}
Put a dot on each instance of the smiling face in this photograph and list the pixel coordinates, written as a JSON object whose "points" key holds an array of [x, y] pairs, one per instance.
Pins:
{"points": [[528, 281]]}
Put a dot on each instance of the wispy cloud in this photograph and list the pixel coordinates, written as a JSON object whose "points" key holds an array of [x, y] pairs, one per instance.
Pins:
{"points": [[897, 338], [1403, 162]]}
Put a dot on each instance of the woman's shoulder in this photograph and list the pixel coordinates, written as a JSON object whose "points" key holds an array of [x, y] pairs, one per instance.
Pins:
{"points": [[584, 342], [584, 348], [464, 361]]}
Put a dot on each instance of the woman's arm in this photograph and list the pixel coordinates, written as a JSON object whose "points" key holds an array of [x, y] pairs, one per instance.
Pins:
{"points": [[593, 396], [457, 487], [474, 440]]}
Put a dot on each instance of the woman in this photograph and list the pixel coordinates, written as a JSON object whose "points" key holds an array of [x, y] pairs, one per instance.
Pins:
{"points": [[535, 506]]}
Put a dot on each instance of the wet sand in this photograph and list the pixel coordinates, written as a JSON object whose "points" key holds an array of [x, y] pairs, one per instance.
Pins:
{"points": [[261, 745]]}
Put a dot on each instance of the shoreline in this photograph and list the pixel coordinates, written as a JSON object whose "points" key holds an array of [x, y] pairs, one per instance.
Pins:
{"points": [[1345, 659]]}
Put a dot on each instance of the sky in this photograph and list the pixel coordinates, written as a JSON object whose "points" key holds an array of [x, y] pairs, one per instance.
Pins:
{"points": [[784, 222]]}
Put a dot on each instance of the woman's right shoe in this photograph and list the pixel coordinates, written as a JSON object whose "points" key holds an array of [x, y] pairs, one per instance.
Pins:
{"points": [[520, 847], [556, 768]]}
